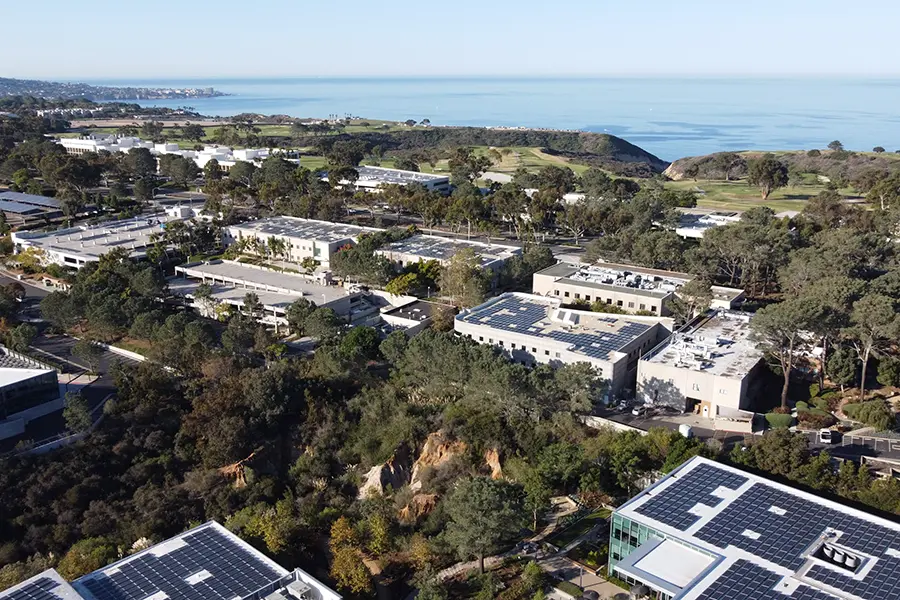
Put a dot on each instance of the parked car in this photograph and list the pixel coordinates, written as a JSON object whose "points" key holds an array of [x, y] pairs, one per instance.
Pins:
{"points": [[639, 411], [826, 436]]}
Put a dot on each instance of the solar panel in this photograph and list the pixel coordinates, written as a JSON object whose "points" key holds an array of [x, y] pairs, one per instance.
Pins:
{"points": [[17, 207], [30, 199], [37, 589], [747, 581], [210, 566], [671, 505]]}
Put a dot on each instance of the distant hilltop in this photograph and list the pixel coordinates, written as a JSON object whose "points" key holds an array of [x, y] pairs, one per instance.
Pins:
{"points": [[71, 91]]}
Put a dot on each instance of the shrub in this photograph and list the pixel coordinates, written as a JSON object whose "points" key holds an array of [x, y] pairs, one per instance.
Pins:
{"points": [[889, 371], [813, 153], [801, 406], [874, 413], [814, 390], [816, 419], [570, 588], [778, 421]]}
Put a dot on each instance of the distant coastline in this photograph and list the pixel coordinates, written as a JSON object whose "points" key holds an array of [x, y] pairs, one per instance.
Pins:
{"points": [[75, 91]]}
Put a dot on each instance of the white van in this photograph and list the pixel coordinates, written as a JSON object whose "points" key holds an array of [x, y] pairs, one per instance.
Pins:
{"points": [[826, 436]]}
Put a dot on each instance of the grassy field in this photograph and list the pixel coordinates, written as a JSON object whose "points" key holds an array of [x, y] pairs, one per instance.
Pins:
{"points": [[738, 195], [563, 538]]}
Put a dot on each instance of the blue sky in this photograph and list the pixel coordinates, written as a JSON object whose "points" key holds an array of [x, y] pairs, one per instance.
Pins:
{"points": [[179, 38]]}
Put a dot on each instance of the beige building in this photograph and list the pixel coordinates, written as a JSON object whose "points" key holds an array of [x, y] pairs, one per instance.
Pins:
{"points": [[534, 329], [433, 247], [630, 288], [708, 367], [303, 238]]}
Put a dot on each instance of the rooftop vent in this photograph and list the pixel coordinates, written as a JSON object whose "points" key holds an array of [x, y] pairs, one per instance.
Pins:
{"points": [[840, 557]]}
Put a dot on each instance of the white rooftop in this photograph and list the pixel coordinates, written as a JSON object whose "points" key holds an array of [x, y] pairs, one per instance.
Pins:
{"points": [[281, 286], [433, 247], [90, 242], [9, 376], [674, 563], [302, 229], [398, 176], [718, 343]]}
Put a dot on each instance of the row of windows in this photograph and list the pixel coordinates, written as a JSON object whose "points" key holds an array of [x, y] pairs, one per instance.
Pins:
{"points": [[696, 388], [587, 297]]}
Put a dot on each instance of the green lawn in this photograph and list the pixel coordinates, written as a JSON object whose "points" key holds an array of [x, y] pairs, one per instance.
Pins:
{"points": [[738, 195], [568, 535]]}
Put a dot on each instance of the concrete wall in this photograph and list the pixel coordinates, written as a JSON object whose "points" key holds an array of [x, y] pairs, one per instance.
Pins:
{"points": [[672, 385]]}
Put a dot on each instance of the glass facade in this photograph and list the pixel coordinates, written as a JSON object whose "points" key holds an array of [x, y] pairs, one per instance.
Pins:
{"points": [[625, 536], [28, 393]]}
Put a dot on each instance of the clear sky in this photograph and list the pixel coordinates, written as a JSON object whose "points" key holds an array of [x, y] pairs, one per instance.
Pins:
{"points": [[181, 38]]}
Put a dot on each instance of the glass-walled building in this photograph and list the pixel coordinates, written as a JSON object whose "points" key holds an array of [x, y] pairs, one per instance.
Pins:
{"points": [[21, 389], [708, 531]]}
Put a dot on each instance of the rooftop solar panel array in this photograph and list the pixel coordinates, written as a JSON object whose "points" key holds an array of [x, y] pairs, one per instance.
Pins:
{"points": [[786, 533], [32, 199], [436, 248], [37, 589], [747, 581], [530, 317], [671, 505], [18, 208], [234, 571]]}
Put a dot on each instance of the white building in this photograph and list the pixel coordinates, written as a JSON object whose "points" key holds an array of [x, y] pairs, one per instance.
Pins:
{"points": [[628, 287], [708, 367], [432, 247], [231, 281], [709, 531], [227, 157], [303, 238], [205, 563], [372, 178], [693, 225], [78, 246], [535, 329]]}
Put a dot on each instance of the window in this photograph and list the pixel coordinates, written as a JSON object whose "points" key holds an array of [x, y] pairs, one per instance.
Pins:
{"points": [[696, 387], [577, 296], [557, 355], [480, 338], [556, 292], [652, 308], [534, 350], [501, 342], [723, 391], [618, 303], [587, 297], [546, 353], [643, 306], [615, 556], [490, 340], [609, 300], [631, 305], [566, 294]]}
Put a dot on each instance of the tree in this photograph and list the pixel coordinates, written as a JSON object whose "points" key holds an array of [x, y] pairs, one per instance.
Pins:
{"points": [[778, 329], [77, 413], [193, 132], [873, 320], [347, 566], [843, 367], [463, 279], [576, 218], [483, 513], [89, 352], [140, 163], [537, 494], [212, 171], [297, 313], [322, 324], [768, 173], [22, 336], [85, 556], [465, 165], [835, 145], [152, 130], [360, 344], [878, 149], [691, 299], [394, 346]]}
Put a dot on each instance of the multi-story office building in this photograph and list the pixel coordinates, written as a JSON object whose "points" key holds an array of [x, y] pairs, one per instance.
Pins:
{"points": [[432, 247], [205, 563], [632, 289], [709, 366], [535, 329], [708, 531], [303, 238]]}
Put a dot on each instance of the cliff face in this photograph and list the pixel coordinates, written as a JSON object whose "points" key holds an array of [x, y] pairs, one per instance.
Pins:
{"points": [[437, 450]]}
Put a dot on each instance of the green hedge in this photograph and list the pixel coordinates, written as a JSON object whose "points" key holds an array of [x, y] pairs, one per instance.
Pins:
{"points": [[778, 421], [802, 406], [874, 413], [570, 588]]}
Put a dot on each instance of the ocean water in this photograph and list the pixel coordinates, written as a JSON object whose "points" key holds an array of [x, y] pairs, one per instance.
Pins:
{"points": [[669, 117]]}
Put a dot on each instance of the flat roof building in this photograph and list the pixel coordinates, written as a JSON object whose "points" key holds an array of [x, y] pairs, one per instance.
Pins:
{"points": [[205, 563], [709, 366], [708, 531], [628, 287], [372, 178], [78, 246], [24, 209], [433, 247], [693, 225], [231, 281], [304, 238], [535, 329]]}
